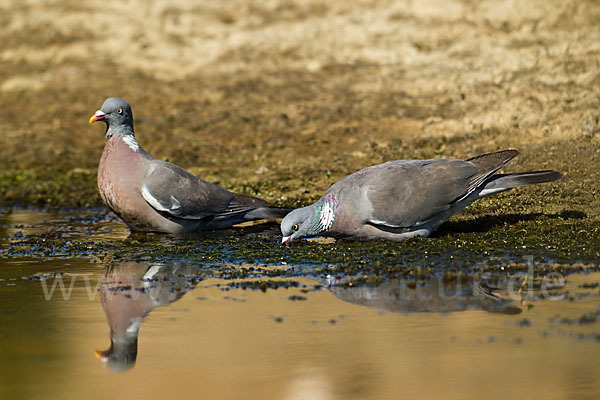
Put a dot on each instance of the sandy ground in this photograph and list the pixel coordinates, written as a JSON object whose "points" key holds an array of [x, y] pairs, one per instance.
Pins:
{"points": [[281, 98]]}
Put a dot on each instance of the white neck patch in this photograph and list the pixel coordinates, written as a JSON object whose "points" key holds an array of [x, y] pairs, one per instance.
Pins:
{"points": [[134, 328], [131, 142], [327, 216]]}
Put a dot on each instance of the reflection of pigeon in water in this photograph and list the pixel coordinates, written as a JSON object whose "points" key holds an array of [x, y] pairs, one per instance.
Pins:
{"points": [[429, 296], [405, 198], [128, 292], [152, 195]]}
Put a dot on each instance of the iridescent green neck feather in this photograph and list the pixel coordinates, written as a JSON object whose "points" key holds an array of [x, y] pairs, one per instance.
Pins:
{"points": [[325, 212]]}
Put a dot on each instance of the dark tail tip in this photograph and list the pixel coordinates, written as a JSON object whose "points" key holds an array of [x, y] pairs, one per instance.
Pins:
{"points": [[267, 213], [529, 178], [525, 178]]}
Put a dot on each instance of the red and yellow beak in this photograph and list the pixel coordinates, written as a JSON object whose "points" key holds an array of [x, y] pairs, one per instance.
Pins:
{"points": [[101, 355], [97, 116]]}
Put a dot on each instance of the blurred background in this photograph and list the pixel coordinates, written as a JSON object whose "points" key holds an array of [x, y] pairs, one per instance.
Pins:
{"points": [[280, 98]]}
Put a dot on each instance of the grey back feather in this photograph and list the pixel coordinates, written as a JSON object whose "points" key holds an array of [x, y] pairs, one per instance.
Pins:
{"points": [[409, 193], [196, 198]]}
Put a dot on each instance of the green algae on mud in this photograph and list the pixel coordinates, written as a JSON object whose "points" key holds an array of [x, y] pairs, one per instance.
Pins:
{"points": [[54, 187], [49, 188], [562, 238], [459, 251]]}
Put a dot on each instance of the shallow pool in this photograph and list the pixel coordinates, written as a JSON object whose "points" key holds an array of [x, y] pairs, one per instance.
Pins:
{"points": [[89, 311]]}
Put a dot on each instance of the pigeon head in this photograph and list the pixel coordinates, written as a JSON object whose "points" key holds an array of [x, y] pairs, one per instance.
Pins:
{"points": [[299, 224], [117, 115], [120, 357], [310, 221]]}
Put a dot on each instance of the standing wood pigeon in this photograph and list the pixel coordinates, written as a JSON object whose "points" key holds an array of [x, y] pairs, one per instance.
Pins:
{"points": [[152, 195], [128, 292], [406, 198]]}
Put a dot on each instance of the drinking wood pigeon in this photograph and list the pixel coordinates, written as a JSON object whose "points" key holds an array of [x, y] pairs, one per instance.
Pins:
{"points": [[405, 198], [152, 195], [432, 295]]}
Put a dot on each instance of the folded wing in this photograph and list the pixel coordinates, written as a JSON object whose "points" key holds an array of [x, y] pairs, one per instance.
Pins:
{"points": [[175, 193], [406, 194]]}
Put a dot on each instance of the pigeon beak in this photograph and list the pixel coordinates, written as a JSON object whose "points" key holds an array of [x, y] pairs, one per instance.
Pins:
{"points": [[286, 239], [100, 355], [97, 116]]}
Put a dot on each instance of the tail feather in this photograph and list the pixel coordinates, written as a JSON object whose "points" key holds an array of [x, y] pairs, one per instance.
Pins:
{"points": [[487, 165], [254, 208], [267, 213], [501, 182], [493, 161]]}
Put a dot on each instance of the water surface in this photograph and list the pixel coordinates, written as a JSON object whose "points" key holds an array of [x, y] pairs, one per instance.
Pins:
{"points": [[155, 316]]}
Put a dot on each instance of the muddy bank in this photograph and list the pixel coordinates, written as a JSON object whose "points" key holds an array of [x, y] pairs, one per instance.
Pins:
{"points": [[281, 100]]}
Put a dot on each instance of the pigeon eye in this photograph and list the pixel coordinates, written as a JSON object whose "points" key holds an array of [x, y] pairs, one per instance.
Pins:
{"points": [[120, 111], [295, 227]]}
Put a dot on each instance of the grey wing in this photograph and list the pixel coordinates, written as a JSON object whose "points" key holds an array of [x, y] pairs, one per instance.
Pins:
{"points": [[173, 191], [406, 194]]}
